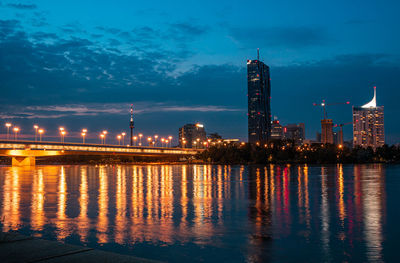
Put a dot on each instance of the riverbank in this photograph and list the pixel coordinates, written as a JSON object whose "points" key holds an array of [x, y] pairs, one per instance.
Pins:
{"points": [[18, 248]]}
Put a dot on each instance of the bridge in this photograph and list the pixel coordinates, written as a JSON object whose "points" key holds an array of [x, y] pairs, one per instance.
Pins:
{"points": [[24, 153]]}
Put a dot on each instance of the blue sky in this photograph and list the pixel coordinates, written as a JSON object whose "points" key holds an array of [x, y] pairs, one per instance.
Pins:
{"points": [[82, 63]]}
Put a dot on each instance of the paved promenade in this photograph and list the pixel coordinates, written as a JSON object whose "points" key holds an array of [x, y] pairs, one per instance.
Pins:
{"points": [[17, 248]]}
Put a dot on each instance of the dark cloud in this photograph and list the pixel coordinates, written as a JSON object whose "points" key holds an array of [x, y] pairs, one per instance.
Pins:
{"points": [[286, 37], [22, 6]]}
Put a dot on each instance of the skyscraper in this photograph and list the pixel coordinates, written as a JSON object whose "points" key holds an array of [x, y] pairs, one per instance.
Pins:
{"points": [[259, 97], [327, 131], [368, 125]]}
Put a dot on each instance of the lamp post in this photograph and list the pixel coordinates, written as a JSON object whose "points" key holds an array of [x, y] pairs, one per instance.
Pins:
{"points": [[16, 130], [84, 131], [36, 131], [170, 141], [162, 142], [8, 125], [105, 134], [63, 135], [149, 140], [135, 139], [140, 139], [198, 142], [119, 139], [123, 138], [102, 138], [183, 143], [155, 139], [61, 130], [41, 131]]}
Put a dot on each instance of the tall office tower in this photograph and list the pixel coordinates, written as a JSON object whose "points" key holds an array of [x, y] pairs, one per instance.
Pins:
{"points": [[192, 136], [259, 97], [326, 131], [368, 125], [276, 130], [295, 132]]}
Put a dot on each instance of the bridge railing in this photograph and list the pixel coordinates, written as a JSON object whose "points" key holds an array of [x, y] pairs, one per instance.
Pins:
{"points": [[56, 146]]}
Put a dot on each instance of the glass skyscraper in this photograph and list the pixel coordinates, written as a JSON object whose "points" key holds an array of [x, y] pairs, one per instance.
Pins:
{"points": [[259, 98]]}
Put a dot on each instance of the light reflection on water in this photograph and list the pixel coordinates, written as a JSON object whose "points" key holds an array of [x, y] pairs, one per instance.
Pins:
{"points": [[204, 212]]}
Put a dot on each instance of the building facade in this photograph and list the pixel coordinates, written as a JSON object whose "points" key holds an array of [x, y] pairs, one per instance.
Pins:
{"points": [[295, 132], [327, 131], [368, 125], [259, 97], [192, 136], [276, 130]]}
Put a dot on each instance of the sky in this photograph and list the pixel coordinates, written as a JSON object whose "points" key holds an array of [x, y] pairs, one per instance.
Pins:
{"points": [[81, 64]]}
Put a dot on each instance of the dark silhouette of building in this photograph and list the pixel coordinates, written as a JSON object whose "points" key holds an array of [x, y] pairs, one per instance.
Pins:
{"points": [[259, 97], [327, 131], [192, 136], [276, 130], [368, 125], [295, 132]]}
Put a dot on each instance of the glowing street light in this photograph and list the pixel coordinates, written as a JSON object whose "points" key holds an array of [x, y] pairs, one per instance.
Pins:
{"points": [[36, 127], [155, 139], [140, 139], [149, 140], [123, 138], [166, 143], [63, 135], [8, 125], [105, 134], [162, 142], [16, 130], [135, 139], [41, 131], [84, 131], [170, 140], [102, 138], [119, 139], [183, 143]]}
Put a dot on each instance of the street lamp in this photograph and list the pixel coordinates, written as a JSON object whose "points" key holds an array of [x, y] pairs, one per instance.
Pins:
{"points": [[170, 141], [162, 142], [166, 143], [84, 131], [41, 131], [119, 139], [102, 138], [61, 130], [194, 142], [183, 143], [62, 136], [149, 140], [16, 130], [8, 125], [198, 142], [36, 131], [105, 133], [140, 139], [155, 139], [123, 138], [135, 139]]}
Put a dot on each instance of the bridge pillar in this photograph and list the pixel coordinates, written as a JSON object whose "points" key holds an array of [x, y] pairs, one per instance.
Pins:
{"points": [[23, 161]]}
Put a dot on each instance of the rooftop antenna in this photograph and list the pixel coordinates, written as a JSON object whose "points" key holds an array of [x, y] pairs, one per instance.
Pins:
{"points": [[258, 54]]}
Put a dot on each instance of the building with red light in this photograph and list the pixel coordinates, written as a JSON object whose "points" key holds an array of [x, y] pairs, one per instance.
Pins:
{"points": [[259, 98]]}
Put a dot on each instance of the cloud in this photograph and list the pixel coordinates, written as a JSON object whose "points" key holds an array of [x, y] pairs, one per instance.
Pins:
{"points": [[23, 6], [287, 37]]}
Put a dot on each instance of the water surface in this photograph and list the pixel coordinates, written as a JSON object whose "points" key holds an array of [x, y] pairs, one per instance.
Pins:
{"points": [[181, 213]]}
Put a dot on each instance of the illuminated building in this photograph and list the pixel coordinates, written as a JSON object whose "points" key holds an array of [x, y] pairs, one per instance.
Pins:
{"points": [[295, 132], [276, 130], [259, 97], [368, 125], [326, 131], [189, 133]]}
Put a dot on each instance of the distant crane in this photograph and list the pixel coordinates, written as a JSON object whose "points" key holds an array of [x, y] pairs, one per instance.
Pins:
{"points": [[327, 124], [341, 131], [323, 104]]}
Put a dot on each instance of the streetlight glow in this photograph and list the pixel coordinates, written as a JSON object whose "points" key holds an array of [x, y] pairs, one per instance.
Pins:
{"points": [[16, 130], [8, 125], [41, 131]]}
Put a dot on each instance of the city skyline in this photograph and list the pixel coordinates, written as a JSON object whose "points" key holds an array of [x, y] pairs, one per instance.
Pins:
{"points": [[85, 70]]}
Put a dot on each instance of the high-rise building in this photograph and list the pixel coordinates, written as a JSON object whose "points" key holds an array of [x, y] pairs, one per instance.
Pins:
{"points": [[327, 131], [259, 97], [368, 125], [276, 130], [295, 132], [192, 135]]}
